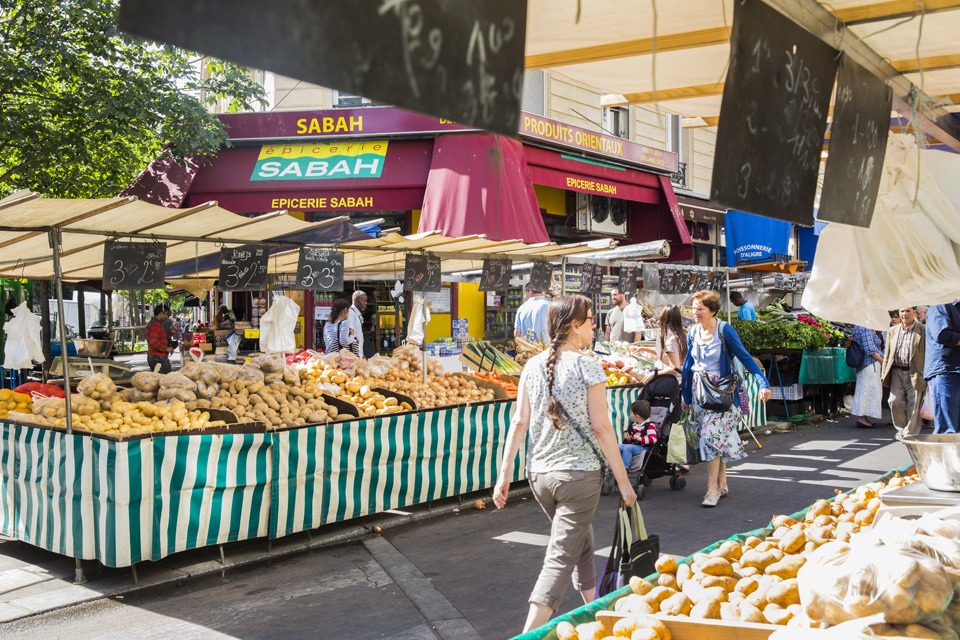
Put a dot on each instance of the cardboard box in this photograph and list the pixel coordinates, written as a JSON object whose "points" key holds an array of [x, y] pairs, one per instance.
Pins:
{"points": [[206, 347]]}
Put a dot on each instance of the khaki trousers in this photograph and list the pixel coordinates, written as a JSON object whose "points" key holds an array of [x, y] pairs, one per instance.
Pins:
{"points": [[904, 403]]}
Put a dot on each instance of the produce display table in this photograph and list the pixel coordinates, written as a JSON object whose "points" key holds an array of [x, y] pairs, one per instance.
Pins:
{"points": [[123, 502], [826, 366]]}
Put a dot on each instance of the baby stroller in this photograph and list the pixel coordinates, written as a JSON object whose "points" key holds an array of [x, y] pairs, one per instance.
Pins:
{"points": [[663, 394]]}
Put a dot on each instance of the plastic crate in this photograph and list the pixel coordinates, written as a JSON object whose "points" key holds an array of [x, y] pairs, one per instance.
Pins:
{"points": [[791, 392]]}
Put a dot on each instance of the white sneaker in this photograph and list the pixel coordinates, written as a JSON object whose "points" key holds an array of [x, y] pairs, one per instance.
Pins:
{"points": [[711, 499]]}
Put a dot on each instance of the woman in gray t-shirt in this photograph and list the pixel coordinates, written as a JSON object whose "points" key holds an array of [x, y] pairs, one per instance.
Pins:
{"points": [[562, 410]]}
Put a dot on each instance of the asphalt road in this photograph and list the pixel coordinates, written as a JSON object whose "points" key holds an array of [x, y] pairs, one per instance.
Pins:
{"points": [[468, 575]]}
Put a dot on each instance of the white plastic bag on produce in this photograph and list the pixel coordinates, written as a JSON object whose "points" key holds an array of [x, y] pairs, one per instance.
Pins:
{"points": [[633, 317], [233, 346], [23, 339], [911, 252], [278, 324], [419, 317], [926, 409], [348, 362]]}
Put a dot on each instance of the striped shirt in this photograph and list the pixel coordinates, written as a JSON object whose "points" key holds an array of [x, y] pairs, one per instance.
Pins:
{"points": [[157, 338], [645, 434], [904, 346]]}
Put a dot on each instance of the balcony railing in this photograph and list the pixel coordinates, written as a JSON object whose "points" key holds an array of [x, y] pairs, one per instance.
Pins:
{"points": [[680, 177]]}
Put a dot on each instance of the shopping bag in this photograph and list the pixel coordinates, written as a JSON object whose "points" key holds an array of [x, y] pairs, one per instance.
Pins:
{"points": [[926, 409], [633, 552], [691, 433], [277, 326], [677, 444]]}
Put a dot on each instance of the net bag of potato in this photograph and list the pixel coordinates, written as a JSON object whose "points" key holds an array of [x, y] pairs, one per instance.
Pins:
{"points": [[842, 582], [97, 386], [146, 381]]}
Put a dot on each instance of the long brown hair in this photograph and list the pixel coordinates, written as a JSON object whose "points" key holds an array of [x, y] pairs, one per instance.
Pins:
{"points": [[562, 313], [672, 321]]}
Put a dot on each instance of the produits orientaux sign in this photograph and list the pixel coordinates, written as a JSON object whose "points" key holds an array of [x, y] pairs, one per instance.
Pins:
{"points": [[321, 160]]}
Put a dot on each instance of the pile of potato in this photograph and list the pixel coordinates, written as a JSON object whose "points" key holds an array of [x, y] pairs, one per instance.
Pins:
{"points": [[753, 581], [275, 404], [128, 419], [12, 401]]}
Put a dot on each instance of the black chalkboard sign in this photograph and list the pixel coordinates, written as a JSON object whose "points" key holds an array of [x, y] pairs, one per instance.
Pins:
{"points": [[456, 59], [496, 275], [701, 280], [134, 265], [668, 280], [628, 281], [320, 270], [244, 268], [596, 284], [773, 115], [792, 282], [684, 281], [586, 279], [757, 280], [421, 272], [651, 277], [778, 281], [541, 276], [718, 282], [858, 142]]}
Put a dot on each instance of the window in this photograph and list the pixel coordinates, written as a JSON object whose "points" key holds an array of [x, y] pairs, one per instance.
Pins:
{"points": [[616, 121], [674, 135], [534, 93], [343, 99]]}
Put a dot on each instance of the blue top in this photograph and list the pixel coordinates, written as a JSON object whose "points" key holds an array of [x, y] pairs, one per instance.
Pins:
{"points": [[943, 340], [734, 348], [747, 311], [532, 316], [708, 353], [871, 344]]}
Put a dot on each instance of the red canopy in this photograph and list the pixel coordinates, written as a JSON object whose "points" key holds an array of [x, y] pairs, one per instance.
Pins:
{"points": [[479, 183]]}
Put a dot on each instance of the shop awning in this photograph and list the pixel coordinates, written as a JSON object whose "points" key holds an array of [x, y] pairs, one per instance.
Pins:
{"points": [[235, 177], [479, 184], [25, 219], [700, 210], [164, 182]]}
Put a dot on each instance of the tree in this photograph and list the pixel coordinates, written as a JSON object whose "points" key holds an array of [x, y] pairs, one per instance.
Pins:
{"points": [[85, 107]]}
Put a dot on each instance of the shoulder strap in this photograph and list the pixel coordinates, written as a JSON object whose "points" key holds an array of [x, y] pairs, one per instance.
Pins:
{"points": [[576, 425]]}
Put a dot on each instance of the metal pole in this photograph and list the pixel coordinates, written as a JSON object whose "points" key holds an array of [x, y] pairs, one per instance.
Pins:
{"points": [[563, 277], [727, 276], [61, 325]]}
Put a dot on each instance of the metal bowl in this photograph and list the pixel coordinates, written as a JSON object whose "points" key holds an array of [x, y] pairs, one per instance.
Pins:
{"points": [[938, 460], [93, 348]]}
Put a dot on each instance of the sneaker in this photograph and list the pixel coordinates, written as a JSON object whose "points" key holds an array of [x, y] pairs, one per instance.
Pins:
{"points": [[723, 492], [710, 500]]}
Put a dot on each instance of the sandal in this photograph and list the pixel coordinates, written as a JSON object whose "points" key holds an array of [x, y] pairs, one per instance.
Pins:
{"points": [[723, 492]]}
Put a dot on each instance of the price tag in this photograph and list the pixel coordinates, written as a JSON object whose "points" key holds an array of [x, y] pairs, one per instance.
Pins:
{"points": [[778, 282], [757, 279], [134, 265], [251, 334], [668, 280], [628, 281], [586, 279], [421, 272], [320, 270], [495, 275], [541, 276], [244, 268], [684, 280], [651, 276], [700, 280]]}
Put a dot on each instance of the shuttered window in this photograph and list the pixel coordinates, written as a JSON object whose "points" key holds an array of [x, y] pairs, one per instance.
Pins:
{"points": [[534, 95]]}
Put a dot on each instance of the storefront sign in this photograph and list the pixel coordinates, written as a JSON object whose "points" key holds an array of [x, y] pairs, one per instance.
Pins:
{"points": [[593, 186], [752, 238], [320, 161], [565, 135], [697, 210]]}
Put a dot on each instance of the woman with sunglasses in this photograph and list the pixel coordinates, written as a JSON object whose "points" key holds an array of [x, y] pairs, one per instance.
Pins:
{"points": [[562, 403]]}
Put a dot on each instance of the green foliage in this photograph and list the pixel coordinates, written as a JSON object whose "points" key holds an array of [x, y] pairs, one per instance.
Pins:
{"points": [[779, 335], [86, 107]]}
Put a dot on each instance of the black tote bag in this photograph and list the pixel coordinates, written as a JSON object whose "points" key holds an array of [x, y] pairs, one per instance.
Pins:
{"points": [[633, 553]]}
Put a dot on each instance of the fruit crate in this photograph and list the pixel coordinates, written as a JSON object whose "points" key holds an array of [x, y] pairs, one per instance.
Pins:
{"points": [[791, 392]]}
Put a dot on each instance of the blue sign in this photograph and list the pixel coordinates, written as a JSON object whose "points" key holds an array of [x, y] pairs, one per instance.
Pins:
{"points": [[752, 238]]}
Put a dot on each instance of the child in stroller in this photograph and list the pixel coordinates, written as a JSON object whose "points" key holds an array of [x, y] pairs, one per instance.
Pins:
{"points": [[640, 435], [663, 395]]}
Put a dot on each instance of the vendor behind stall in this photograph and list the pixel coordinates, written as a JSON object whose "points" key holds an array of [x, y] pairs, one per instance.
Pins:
{"points": [[158, 340], [225, 319]]}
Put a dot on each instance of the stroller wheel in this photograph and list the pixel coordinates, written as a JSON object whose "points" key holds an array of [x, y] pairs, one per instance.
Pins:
{"points": [[673, 482], [641, 491], [681, 483]]}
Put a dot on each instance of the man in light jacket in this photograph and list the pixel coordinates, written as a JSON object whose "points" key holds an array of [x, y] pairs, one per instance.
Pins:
{"points": [[902, 371]]}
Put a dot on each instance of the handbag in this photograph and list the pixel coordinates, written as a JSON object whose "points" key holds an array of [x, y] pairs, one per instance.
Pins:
{"points": [[677, 443], [717, 395], [855, 355], [633, 552]]}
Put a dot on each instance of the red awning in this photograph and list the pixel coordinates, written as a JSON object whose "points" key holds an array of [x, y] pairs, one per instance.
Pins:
{"points": [[399, 187], [590, 184], [164, 182], [479, 184]]}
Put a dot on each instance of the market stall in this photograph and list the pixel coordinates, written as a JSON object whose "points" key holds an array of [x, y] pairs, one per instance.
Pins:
{"points": [[793, 574]]}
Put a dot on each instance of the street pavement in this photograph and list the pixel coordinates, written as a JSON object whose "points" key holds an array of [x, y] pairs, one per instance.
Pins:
{"points": [[464, 575]]}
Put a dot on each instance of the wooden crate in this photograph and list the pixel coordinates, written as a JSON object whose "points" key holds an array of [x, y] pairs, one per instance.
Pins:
{"points": [[682, 628]]}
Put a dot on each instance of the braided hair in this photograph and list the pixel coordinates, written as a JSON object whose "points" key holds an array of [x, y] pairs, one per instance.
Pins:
{"points": [[561, 315]]}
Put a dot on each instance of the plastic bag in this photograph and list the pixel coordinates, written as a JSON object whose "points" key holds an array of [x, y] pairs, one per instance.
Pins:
{"points": [[201, 372], [251, 372], [228, 372], [419, 318], [380, 365], [177, 393], [270, 363], [177, 380], [278, 324], [30, 388], [49, 406], [233, 347], [146, 381], [348, 362], [633, 317], [926, 409], [840, 582], [291, 376], [23, 344], [206, 391], [97, 386]]}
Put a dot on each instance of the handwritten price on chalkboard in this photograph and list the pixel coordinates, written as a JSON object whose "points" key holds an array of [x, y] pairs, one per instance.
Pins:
{"points": [[322, 277], [245, 276]]}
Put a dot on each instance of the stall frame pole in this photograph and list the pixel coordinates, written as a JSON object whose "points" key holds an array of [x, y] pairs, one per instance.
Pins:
{"points": [[61, 326], [729, 311]]}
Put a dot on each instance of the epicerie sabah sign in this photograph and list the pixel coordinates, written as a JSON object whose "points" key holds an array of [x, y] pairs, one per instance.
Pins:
{"points": [[321, 161]]}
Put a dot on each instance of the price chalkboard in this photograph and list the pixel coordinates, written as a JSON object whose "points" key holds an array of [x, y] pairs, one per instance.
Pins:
{"points": [[456, 59], [718, 282], [858, 142], [668, 280], [421, 272], [684, 281], [134, 265], [495, 275], [778, 281], [773, 115], [320, 270], [651, 277], [792, 282], [244, 268], [586, 279], [700, 280], [541, 276], [757, 280], [596, 284], [628, 281]]}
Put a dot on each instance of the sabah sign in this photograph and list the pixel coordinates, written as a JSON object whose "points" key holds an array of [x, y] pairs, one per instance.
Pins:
{"points": [[320, 161]]}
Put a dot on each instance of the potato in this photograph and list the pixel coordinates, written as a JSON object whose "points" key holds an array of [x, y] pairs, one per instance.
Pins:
{"points": [[748, 585], [766, 545], [717, 567], [590, 631], [793, 541], [784, 594], [729, 583], [661, 593], [729, 550], [729, 612], [666, 564], [684, 573], [777, 616], [644, 633], [566, 631], [752, 541], [749, 613], [786, 568], [624, 627], [668, 580], [706, 610], [714, 593], [636, 604], [783, 521], [819, 508], [749, 571], [640, 586], [676, 605], [760, 560], [652, 622]]}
